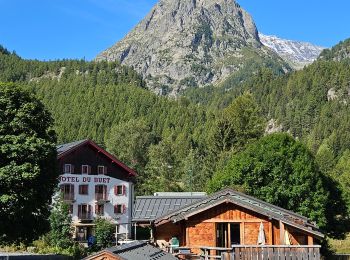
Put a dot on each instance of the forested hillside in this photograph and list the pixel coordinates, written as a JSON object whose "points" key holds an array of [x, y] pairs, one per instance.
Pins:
{"points": [[179, 144], [107, 103], [311, 104]]}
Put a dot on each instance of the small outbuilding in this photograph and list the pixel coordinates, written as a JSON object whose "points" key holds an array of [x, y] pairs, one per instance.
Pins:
{"points": [[226, 219]]}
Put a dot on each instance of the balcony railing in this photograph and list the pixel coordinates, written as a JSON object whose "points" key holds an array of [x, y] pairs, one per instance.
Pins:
{"points": [[101, 197], [68, 196], [268, 252], [85, 216]]}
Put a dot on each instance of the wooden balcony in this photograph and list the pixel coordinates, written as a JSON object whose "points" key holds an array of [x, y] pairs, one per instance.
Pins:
{"points": [[268, 252]]}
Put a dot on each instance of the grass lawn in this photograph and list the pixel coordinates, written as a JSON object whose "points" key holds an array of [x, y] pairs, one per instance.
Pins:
{"points": [[341, 246]]}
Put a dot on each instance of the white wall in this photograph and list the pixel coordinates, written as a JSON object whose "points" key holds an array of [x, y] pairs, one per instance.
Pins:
{"points": [[123, 220]]}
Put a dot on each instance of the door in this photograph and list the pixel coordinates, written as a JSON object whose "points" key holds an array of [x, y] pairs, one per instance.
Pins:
{"points": [[235, 234], [228, 234], [222, 235]]}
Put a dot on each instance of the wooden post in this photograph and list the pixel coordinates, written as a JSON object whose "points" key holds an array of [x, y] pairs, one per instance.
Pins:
{"points": [[282, 242], [270, 233], [310, 240], [229, 235], [135, 231], [187, 235], [242, 233]]}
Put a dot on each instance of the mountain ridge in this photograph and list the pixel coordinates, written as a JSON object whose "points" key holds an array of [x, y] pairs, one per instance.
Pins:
{"points": [[189, 43]]}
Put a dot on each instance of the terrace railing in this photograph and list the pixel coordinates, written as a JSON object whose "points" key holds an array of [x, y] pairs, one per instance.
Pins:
{"points": [[268, 252]]}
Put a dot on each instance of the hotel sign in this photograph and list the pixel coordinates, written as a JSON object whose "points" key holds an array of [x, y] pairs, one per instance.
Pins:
{"points": [[87, 179]]}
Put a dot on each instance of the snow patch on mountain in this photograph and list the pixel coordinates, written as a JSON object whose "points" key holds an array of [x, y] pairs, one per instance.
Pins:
{"points": [[297, 53]]}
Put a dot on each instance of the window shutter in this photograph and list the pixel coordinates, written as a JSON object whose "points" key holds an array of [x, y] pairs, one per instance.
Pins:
{"points": [[124, 208], [72, 188], [104, 170], [79, 210], [71, 168], [115, 190], [89, 209], [115, 209], [124, 190], [89, 169], [96, 209]]}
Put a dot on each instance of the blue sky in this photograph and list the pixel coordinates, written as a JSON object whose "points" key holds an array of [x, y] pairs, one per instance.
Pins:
{"points": [[57, 29]]}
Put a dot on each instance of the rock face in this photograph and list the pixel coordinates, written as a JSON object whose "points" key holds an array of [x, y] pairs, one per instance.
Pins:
{"points": [[187, 43], [297, 54]]}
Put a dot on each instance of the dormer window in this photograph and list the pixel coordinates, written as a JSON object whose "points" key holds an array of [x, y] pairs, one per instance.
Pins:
{"points": [[101, 170], [85, 169], [68, 168]]}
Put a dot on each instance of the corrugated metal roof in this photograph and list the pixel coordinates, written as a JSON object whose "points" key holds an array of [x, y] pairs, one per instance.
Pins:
{"points": [[149, 208], [145, 252], [66, 147], [137, 250], [180, 194]]}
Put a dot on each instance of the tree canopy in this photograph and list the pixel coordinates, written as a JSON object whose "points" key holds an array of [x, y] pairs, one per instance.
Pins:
{"points": [[28, 172], [281, 171]]}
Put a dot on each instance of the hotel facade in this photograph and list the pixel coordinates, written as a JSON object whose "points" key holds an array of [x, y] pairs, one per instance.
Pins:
{"points": [[95, 184]]}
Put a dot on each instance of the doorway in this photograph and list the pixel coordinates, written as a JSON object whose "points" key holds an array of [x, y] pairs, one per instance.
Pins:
{"points": [[228, 234]]}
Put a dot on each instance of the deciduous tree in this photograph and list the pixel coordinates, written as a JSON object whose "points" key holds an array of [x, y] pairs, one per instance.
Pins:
{"points": [[28, 171], [280, 170]]}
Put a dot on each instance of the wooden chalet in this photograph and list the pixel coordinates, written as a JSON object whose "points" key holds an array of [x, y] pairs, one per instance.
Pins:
{"points": [[227, 219]]}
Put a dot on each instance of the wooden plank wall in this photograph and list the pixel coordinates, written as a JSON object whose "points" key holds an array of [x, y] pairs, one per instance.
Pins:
{"points": [[200, 229], [229, 213], [199, 234]]}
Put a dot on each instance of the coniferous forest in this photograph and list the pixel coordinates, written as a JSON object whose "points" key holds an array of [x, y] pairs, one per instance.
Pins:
{"points": [[195, 141]]}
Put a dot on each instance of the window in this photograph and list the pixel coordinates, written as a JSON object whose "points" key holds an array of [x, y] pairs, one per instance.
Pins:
{"points": [[85, 169], [101, 170], [67, 191], [100, 192], [84, 211], [84, 189], [120, 190], [119, 209], [68, 168], [99, 210]]}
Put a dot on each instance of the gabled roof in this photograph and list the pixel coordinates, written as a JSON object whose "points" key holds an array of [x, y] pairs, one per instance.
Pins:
{"points": [[62, 148], [149, 208], [228, 195], [138, 250], [65, 149]]}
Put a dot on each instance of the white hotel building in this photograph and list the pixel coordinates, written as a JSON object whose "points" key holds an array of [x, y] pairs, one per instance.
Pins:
{"points": [[95, 183]]}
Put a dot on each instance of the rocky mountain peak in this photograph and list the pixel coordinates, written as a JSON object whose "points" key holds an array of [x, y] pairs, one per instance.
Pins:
{"points": [[187, 43]]}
